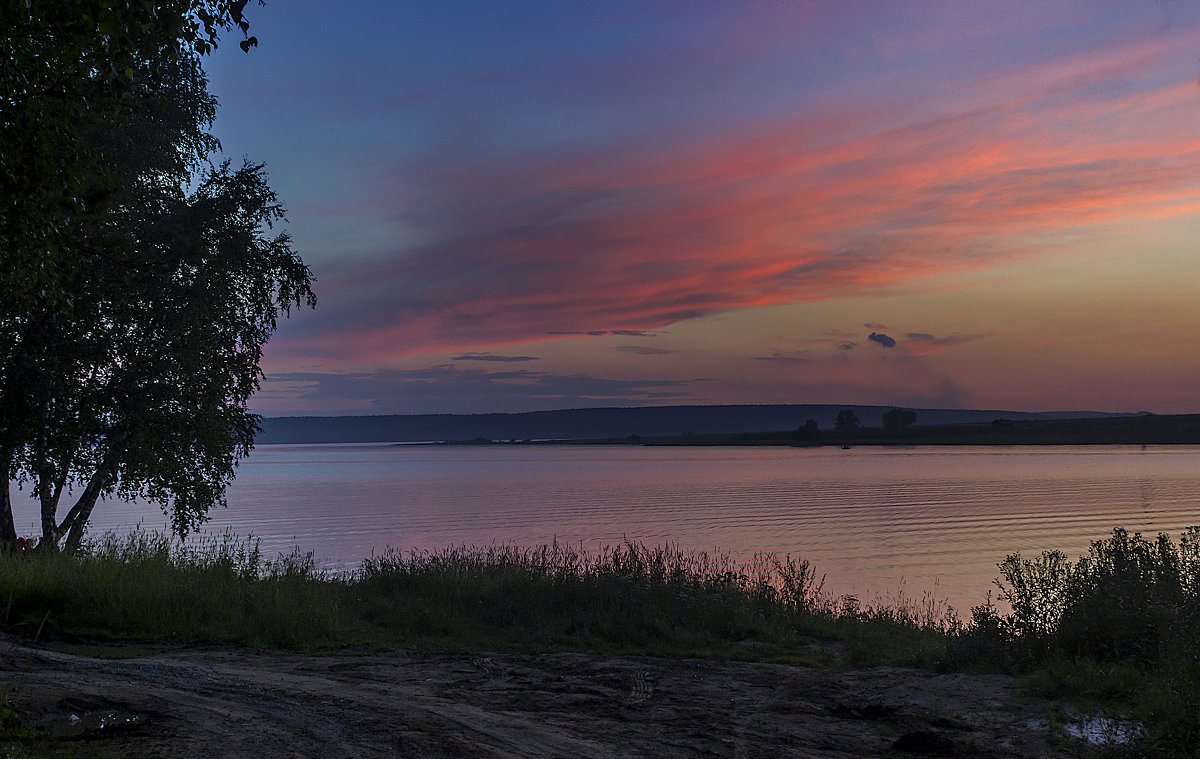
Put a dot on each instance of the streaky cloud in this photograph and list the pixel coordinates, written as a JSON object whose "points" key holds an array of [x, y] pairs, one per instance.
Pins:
{"points": [[926, 344], [449, 389], [644, 350], [780, 358], [603, 332], [493, 357]]}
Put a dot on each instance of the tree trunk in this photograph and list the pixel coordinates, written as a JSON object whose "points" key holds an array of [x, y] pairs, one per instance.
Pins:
{"points": [[8, 529], [44, 481], [49, 541], [75, 523]]}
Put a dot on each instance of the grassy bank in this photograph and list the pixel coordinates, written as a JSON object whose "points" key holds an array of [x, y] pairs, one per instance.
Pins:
{"points": [[626, 599], [1117, 630]]}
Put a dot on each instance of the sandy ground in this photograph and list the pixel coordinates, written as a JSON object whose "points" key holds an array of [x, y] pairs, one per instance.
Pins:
{"points": [[231, 702]]}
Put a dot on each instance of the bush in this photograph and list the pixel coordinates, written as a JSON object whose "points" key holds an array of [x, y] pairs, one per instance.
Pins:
{"points": [[1120, 625], [1127, 599]]}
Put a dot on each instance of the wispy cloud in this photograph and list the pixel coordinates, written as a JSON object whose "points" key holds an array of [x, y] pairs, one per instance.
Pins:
{"points": [[788, 359], [644, 350], [493, 357], [925, 344], [603, 332], [449, 389]]}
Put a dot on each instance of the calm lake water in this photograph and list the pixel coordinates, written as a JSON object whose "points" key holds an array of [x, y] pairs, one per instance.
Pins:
{"points": [[874, 520]]}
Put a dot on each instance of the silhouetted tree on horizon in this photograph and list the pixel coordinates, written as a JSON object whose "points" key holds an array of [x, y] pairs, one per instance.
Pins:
{"points": [[808, 431], [897, 420], [846, 421]]}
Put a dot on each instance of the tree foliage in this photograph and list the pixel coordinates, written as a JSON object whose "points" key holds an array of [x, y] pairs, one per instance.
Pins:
{"points": [[846, 421], [137, 303], [808, 431], [65, 69], [897, 420]]}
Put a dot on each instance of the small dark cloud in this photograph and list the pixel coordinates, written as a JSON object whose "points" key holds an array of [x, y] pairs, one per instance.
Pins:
{"points": [[847, 346], [882, 339], [493, 357], [644, 350]]}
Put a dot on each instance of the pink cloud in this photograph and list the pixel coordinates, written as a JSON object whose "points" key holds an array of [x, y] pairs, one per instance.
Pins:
{"points": [[520, 247]]}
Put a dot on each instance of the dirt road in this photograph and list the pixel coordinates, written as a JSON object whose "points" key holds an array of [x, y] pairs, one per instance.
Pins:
{"points": [[206, 702]]}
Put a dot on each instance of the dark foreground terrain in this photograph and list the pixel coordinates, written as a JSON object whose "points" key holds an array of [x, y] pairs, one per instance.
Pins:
{"points": [[208, 701]]}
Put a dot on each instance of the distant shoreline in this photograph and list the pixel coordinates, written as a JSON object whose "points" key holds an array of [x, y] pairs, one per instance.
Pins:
{"points": [[1146, 429], [667, 424]]}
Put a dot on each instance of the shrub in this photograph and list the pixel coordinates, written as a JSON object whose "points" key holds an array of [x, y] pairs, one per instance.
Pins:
{"points": [[1121, 623], [1124, 600]]}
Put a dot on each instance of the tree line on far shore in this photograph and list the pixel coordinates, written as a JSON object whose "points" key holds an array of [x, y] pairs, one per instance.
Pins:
{"points": [[895, 420]]}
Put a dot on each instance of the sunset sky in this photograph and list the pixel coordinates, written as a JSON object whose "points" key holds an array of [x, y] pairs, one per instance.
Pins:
{"points": [[555, 205]]}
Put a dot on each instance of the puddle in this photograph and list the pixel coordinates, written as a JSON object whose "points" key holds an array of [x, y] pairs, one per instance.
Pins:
{"points": [[1097, 731], [91, 724], [1102, 731]]}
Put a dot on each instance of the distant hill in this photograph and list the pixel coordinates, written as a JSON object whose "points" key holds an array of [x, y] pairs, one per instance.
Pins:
{"points": [[576, 424]]}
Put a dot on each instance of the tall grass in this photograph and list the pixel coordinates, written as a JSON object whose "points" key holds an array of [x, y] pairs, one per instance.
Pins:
{"points": [[149, 587], [625, 598]]}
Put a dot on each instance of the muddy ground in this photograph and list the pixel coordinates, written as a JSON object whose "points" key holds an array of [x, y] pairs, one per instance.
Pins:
{"points": [[231, 702]]}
